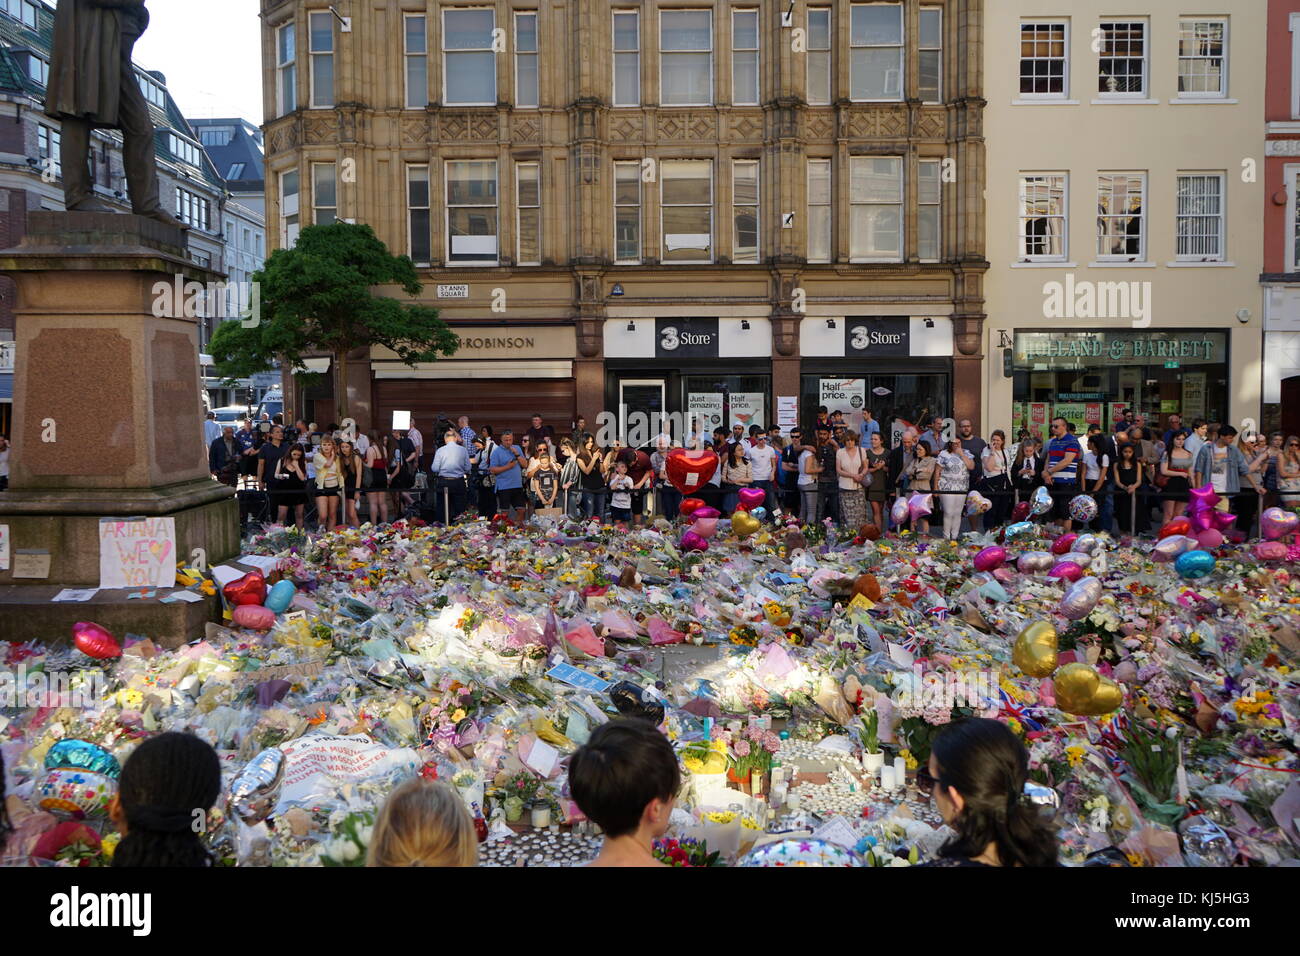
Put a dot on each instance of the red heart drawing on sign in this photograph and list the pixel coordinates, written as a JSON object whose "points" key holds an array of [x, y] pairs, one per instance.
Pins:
{"points": [[690, 471]]}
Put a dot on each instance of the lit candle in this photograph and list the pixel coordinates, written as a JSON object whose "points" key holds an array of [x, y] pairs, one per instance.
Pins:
{"points": [[900, 772]]}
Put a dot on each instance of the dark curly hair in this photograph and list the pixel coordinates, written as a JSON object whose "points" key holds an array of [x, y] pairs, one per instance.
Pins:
{"points": [[988, 765], [167, 786]]}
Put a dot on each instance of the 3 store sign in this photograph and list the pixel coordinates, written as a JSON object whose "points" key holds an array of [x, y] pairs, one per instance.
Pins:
{"points": [[686, 338], [884, 335]]}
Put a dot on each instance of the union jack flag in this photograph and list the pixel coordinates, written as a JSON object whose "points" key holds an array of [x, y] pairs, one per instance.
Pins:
{"points": [[1030, 717]]}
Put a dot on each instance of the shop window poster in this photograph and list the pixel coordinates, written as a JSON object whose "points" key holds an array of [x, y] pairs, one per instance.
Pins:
{"points": [[1193, 396], [847, 395], [746, 408]]}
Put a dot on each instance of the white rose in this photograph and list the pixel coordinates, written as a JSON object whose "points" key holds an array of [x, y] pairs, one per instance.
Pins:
{"points": [[350, 850]]}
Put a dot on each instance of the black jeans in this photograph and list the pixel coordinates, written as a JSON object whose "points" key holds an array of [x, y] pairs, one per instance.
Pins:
{"points": [[449, 492], [828, 501]]}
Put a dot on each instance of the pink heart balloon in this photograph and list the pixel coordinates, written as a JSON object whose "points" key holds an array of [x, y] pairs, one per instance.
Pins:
{"points": [[751, 498], [93, 641], [1066, 571], [693, 542], [1064, 543], [1271, 551], [1209, 539], [990, 558], [1275, 523], [704, 527], [254, 616]]}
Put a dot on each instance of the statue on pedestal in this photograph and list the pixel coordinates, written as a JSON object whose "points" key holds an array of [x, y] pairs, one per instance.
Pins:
{"points": [[93, 85]]}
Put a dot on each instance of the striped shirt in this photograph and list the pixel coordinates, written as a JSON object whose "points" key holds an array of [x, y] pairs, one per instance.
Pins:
{"points": [[1057, 449]]}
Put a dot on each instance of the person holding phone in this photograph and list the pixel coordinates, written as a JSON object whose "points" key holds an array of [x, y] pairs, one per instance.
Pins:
{"points": [[291, 484]]}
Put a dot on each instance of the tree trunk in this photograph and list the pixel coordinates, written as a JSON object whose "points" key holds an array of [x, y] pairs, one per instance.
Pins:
{"points": [[340, 386]]}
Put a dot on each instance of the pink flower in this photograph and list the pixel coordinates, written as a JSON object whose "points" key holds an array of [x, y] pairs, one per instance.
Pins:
{"points": [[742, 748]]}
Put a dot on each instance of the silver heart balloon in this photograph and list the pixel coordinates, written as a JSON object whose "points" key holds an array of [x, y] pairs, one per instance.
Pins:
{"points": [[1035, 562], [1080, 598], [1087, 544], [1167, 550], [256, 789], [1080, 558]]}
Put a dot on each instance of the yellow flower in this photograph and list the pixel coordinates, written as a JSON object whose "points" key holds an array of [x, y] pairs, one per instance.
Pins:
{"points": [[459, 715], [1016, 726], [108, 845], [1074, 755], [908, 759]]}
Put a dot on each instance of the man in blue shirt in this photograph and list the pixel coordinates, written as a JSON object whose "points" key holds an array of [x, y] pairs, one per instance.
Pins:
{"points": [[451, 464], [1064, 456], [507, 463], [867, 426], [466, 433]]}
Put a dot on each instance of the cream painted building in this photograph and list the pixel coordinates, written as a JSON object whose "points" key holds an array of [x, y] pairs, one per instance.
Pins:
{"points": [[1123, 204]]}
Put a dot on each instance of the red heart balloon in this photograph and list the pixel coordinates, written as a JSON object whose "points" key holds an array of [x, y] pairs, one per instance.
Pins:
{"points": [[688, 505], [690, 471], [250, 589], [93, 641], [1179, 525]]}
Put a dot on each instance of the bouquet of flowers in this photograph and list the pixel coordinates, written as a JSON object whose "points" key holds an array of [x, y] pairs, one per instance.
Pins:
{"points": [[685, 852], [350, 840], [752, 751]]}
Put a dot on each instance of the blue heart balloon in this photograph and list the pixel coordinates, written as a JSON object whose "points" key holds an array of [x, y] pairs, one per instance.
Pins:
{"points": [[1194, 564], [281, 596]]}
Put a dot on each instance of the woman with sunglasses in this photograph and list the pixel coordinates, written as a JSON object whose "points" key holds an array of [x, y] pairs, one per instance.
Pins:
{"points": [[1288, 473], [976, 775]]}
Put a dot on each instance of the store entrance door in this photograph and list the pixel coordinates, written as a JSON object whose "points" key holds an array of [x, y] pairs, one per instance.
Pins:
{"points": [[640, 410]]}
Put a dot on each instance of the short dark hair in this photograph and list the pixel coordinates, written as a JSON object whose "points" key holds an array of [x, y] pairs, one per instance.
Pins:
{"points": [[1227, 430], [823, 427], [821, 409], [619, 770]]}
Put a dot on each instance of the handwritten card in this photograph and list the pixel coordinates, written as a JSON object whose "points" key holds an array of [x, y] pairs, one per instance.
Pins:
{"points": [[137, 552]]}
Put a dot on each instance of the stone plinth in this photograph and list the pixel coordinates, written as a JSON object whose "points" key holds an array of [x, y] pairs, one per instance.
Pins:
{"points": [[108, 414]]}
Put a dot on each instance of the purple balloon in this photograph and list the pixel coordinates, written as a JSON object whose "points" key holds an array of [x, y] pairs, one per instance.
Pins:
{"points": [[919, 505], [1066, 571], [693, 542], [1275, 523], [706, 512], [751, 498], [1080, 598], [1223, 520]]}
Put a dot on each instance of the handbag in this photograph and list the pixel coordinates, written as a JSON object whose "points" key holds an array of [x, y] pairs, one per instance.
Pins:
{"points": [[1159, 479]]}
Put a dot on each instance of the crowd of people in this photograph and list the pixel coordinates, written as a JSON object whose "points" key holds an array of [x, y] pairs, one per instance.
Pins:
{"points": [[842, 471]]}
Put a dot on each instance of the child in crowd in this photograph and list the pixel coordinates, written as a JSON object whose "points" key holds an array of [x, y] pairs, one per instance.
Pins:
{"points": [[625, 779], [423, 823], [168, 785], [620, 502]]}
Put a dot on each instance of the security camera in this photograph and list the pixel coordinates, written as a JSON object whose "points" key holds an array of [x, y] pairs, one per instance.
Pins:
{"points": [[1243, 316]]}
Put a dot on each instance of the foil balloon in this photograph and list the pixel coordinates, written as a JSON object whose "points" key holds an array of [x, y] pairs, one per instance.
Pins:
{"points": [[1083, 508], [69, 754], [991, 557], [689, 472], [1202, 519], [631, 701], [1064, 544], [693, 542], [1046, 799], [760, 512], [77, 793], [1079, 600], [256, 789], [1035, 562], [1081, 691], [977, 504], [797, 852], [1078, 557], [1087, 544], [1066, 571], [250, 589], [1223, 520], [1004, 574], [689, 506], [1194, 564], [1209, 539], [707, 511], [1168, 549], [898, 512], [254, 617], [1180, 525], [750, 498], [918, 506], [1202, 498], [93, 641], [1270, 551], [1019, 529], [1041, 503], [743, 524], [281, 596], [1021, 511], [705, 527], [1035, 651], [1275, 523]]}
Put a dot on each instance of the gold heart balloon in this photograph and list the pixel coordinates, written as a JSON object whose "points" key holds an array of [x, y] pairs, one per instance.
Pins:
{"points": [[1035, 650], [744, 524], [1081, 691]]}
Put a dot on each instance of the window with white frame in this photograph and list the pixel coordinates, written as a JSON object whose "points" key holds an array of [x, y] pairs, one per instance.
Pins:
{"points": [[192, 209], [417, 61], [38, 68], [686, 57], [1294, 23], [686, 201], [819, 210], [30, 17], [875, 208], [419, 226], [929, 196], [1045, 59], [1200, 227], [184, 150], [526, 59], [1043, 216], [930, 55], [289, 199], [48, 146], [876, 51], [468, 64], [627, 212], [1121, 216], [324, 194], [1203, 58], [744, 208], [1292, 174], [819, 56], [152, 89], [744, 57], [528, 208], [1122, 64], [472, 211], [627, 58], [286, 67], [321, 27]]}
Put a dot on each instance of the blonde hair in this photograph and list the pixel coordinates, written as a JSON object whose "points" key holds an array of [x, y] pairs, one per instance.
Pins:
{"points": [[423, 823]]}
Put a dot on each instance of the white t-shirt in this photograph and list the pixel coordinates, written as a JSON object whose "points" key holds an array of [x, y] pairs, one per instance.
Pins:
{"points": [[1219, 468], [762, 462], [805, 479], [1092, 467], [362, 444], [621, 485]]}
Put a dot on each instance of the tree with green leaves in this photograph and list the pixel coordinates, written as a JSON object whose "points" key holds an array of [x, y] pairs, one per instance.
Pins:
{"points": [[318, 297]]}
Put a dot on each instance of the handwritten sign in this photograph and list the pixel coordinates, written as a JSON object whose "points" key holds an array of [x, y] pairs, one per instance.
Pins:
{"points": [[137, 552], [31, 563]]}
